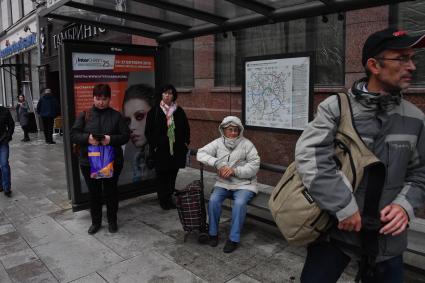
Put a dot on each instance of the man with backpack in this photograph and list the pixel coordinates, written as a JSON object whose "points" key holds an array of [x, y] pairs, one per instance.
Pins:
{"points": [[371, 222]]}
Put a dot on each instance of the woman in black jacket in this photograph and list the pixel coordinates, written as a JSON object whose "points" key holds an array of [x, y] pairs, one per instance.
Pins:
{"points": [[168, 134], [101, 125]]}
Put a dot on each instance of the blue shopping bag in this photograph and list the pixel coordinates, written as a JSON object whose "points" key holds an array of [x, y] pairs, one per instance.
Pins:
{"points": [[101, 158]]}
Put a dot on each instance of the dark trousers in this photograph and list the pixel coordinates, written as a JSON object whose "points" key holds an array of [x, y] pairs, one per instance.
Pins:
{"points": [[100, 189], [48, 128], [165, 184], [26, 131], [325, 263]]}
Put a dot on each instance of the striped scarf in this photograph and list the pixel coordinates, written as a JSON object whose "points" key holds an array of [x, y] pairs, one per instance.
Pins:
{"points": [[168, 111]]}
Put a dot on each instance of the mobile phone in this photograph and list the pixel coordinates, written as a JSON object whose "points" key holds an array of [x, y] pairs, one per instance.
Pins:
{"points": [[98, 137]]}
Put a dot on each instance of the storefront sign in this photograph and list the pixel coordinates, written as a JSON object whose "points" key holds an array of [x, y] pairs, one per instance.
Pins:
{"points": [[22, 44], [77, 32]]}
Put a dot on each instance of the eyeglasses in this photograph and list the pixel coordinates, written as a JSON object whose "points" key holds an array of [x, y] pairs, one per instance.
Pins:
{"points": [[402, 60]]}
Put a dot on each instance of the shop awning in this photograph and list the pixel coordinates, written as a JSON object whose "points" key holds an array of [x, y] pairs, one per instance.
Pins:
{"points": [[172, 20]]}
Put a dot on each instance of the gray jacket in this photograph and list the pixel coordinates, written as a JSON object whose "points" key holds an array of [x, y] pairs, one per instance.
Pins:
{"points": [[394, 131], [240, 154]]}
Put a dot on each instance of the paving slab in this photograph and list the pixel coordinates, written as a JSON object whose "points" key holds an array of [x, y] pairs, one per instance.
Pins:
{"points": [[37, 206], [11, 242], [133, 238], [6, 228], [150, 267], [3, 219], [74, 258], [242, 278], [92, 278], [76, 223], [42, 230], [18, 258], [34, 271], [4, 277]]}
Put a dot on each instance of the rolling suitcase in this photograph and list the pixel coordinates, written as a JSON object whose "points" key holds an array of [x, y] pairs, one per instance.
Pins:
{"points": [[190, 203]]}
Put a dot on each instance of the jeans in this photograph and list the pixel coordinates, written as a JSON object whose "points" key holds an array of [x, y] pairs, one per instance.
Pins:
{"points": [[5, 168], [241, 198], [325, 263]]}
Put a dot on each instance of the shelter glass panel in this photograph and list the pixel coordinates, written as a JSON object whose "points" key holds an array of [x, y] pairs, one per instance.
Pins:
{"points": [[326, 40], [131, 7], [410, 17]]}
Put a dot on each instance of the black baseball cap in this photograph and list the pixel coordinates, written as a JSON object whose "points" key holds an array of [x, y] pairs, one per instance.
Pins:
{"points": [[390, 38]]}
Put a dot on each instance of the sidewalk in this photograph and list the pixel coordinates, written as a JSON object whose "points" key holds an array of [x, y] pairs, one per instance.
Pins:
{"points": [[42, 240]]}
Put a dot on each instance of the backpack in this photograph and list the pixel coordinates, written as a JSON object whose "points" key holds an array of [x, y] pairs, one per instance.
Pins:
{"points": [[294, 210]]}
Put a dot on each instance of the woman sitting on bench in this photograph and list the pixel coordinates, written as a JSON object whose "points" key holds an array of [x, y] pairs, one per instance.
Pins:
{"points": [[237, 163]]}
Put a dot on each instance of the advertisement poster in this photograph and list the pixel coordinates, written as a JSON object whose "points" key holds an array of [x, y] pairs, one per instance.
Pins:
{"points": [[128, 70], [119, 72], [277, 92]]}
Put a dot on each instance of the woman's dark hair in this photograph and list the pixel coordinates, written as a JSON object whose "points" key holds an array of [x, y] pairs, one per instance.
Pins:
{"points": [[102, 90], [140, 91], [168, 87]]}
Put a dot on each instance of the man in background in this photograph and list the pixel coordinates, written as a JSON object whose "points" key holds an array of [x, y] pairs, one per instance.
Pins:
{"points": [[48, 109], [7, 127]]}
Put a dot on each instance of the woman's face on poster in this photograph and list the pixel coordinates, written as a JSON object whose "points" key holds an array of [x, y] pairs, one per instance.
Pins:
{"points": [[135, 111]]}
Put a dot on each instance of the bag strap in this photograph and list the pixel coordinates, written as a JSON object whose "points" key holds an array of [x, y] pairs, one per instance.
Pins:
{"points": [[375, 176], [346, 113]]}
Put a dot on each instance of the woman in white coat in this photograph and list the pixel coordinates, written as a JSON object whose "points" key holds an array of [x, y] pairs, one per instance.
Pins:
{"points": [[237, 162]]}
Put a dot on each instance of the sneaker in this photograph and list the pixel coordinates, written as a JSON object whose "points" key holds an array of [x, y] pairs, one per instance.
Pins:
{"points": [[8, 193], [51, 142], [93, 229], [113, 227], [230, 246], [213, 241], [25, 140], [1, 189]]}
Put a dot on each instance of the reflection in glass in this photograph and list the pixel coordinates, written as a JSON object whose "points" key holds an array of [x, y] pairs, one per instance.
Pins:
{"points": [[410, 17]]}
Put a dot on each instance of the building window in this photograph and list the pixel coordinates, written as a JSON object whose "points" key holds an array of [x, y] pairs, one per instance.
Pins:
{"points": [[326, 40], [28, 6], [5, 14], [16, 11], [409, 16], [180, 63]]}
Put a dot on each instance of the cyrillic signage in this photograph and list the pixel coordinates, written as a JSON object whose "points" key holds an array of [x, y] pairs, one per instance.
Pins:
{"points": [[77, 31], [15, 47]]}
